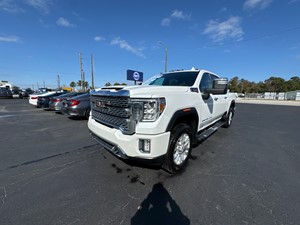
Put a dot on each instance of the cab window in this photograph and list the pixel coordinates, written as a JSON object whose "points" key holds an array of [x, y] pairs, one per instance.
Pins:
{"points": [[206, 82]]}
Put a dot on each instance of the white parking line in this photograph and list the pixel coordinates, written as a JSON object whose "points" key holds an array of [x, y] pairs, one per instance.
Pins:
{"points": [[5, 116]]}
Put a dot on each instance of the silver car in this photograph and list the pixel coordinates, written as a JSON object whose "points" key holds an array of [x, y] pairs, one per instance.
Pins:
{"points": [[78, 106], [56, 103]]}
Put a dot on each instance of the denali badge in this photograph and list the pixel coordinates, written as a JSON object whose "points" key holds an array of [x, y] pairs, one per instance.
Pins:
{"points": [[100, 104]]}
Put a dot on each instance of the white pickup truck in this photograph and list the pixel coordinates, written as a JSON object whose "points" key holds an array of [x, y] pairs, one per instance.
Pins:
{"points": [[160, 122]]}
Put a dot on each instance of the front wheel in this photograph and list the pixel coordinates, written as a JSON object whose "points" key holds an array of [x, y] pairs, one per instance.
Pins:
{"points": [[180, 147], [87, 113], [228, 118]]}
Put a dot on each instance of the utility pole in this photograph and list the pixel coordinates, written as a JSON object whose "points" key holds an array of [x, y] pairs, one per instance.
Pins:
{"points": [[166, 55], [83, 82], [92, 71], [58, 82], [81, 72]]}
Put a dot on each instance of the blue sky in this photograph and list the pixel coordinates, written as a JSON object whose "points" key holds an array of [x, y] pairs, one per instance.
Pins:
{"points": [[251, 39]]}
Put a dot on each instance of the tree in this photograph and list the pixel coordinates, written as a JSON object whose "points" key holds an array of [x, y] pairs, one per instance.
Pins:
{"points": [[275, 84], [107, 84], [233, 84], [293, 84], [72, 84]]}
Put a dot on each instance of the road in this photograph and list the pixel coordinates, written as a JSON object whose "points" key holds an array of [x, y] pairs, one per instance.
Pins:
{"points": [[53, 172]]}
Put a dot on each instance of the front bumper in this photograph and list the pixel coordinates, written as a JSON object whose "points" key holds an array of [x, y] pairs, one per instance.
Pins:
{"points": [[127, 146]]}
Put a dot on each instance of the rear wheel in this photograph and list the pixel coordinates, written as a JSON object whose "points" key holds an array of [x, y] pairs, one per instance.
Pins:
{"points": [[180, 147]]}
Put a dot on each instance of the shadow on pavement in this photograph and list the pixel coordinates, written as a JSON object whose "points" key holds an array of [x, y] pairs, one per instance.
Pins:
{"points": [[159, 208]]}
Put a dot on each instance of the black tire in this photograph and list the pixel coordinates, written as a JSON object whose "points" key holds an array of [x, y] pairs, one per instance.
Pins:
{"points": [[180, 148], [87, 113], [229, 117]]}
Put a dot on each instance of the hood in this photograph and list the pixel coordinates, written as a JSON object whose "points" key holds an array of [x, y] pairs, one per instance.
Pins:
{"points": [[144, 91]]}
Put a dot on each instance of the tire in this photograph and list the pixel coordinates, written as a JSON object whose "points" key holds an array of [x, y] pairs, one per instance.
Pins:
{"points": [[87, 114], [229, 117], [180, 148]]}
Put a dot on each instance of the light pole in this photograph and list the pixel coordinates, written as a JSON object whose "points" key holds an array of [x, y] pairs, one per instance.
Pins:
{"points": [[166, 56]]}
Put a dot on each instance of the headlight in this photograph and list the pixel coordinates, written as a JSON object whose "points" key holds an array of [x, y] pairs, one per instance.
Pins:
{"points": [[147, 110]]}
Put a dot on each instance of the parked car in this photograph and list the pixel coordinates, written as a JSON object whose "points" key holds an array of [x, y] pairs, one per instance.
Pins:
{"points": [[43, 100], [24, 93], [33, 97], [56, 103], [78, 106], [5, 92], [15, 93]]}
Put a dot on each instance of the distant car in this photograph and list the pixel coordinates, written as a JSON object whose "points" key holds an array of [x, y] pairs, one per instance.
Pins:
{"points": [[56, 103], [15, 93], [43, 100], [5, 92], [24, 93], [78, 106], [33, 97]]}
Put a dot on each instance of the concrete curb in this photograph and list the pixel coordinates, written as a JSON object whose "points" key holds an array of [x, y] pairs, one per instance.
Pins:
{"points": [[268, 102]]}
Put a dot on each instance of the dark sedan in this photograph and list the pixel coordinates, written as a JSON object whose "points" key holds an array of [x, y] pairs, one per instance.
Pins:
{"points": [[78, 106], [43, 101], [24, 93], [56, 103]]}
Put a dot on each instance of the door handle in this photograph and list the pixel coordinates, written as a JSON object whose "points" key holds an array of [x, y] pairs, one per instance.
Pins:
{"points": [[216, 99]]}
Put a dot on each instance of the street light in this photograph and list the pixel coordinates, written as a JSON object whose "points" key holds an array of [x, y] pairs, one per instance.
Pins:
{"points": [[166, 56]]}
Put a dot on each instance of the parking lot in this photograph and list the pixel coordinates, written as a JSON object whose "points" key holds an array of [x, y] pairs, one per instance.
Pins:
{"points": [[53, 172]]}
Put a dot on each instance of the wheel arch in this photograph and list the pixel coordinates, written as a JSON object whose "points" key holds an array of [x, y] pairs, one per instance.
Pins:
{"points": [[188, 116]]}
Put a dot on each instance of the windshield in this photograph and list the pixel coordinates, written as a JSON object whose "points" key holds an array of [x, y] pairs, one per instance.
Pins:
{"points": [[183, 78]]}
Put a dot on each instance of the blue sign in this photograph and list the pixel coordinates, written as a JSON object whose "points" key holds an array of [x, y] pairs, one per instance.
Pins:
{"points": [[134, 75]]}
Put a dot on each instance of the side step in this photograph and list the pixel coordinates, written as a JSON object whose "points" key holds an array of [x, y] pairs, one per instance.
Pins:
{"points": [[209, 131]]}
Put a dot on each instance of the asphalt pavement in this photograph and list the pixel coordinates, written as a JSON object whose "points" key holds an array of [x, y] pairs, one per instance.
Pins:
{"points": [[52, 172]]}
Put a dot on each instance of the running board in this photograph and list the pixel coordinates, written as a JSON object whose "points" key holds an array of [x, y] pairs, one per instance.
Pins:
{"points": [[209, 131]]}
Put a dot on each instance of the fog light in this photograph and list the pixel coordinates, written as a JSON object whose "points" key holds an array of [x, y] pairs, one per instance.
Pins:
{"points": [[145, 145]]}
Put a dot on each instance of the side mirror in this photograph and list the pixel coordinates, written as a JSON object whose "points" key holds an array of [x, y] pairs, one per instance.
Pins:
{"points": [[220, 87]]}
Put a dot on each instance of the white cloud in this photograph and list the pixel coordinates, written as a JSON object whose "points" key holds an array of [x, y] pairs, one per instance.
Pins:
{"points": [[13, 6], [10, 6], [293, 1], [9, 39], [224, 9], [99, 38], [180, 15], [64, 22], [176, 14], [124, 45], [229, 29], [257, 4], [165, 22], [41, 5]]}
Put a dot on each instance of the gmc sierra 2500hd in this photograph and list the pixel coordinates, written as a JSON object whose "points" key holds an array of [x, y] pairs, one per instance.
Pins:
{"points": [[160, 122]]}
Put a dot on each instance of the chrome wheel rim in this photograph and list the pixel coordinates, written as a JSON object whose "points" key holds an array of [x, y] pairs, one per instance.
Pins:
{"points": [[230, 117], [181, 149]]}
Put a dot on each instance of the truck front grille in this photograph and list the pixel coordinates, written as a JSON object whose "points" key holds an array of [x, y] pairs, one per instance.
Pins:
{"points": [[113, 111]]}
